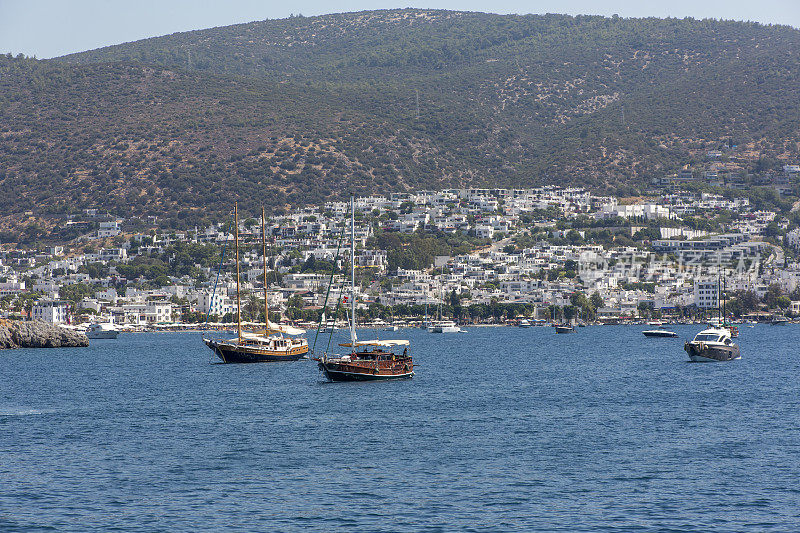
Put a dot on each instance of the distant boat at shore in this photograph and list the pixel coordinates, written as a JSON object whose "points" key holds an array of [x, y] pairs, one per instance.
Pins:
{"points": [[102, 331], [659, 332], [446, 326]]}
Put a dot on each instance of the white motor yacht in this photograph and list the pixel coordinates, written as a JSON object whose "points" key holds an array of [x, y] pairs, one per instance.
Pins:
{"points": [[712, 345], [102, 331], [446, 326]]}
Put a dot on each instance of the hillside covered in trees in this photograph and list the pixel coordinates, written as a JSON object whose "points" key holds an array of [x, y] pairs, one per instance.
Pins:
{"points": [[302, 110]]}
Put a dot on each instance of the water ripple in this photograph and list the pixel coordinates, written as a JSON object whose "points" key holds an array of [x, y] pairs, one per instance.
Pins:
{"points": [[596, 431]]}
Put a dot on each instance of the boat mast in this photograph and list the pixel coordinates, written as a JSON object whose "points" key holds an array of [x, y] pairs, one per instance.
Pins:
{"points": [[724, 287], [264, 243], [238, 295], [353, 336], [441, 291]]}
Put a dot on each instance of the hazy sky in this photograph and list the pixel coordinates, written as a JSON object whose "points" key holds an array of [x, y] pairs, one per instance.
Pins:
{"points": [[49, 28]]}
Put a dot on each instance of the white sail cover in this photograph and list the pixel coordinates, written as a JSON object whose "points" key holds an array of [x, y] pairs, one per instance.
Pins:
{"points": [[283, 328], [386, 343], [246, 335]]}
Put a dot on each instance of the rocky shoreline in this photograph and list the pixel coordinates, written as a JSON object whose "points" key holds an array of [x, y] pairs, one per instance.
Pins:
{"points": [[38, 334]]}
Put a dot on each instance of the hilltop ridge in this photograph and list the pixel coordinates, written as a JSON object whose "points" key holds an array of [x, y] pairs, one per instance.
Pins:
{"points": [[300, 110]]}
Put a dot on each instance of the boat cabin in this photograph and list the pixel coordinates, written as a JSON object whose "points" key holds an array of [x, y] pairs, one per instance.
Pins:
{"points": [[714, 335], [376, 350]]}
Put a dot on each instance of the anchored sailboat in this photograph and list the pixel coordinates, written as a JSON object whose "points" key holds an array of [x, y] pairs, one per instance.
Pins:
{"points": [[267, 345], [369, 360], [441, 325]]}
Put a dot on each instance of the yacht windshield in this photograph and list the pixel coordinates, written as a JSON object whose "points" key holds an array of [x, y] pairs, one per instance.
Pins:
{"points": [[707, 337]]}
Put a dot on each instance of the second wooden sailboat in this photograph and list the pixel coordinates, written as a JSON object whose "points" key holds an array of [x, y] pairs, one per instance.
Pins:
{"points": [[369, 360]]}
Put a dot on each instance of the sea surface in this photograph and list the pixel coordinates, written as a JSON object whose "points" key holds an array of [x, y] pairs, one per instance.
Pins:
{"points": [[502, 429]]}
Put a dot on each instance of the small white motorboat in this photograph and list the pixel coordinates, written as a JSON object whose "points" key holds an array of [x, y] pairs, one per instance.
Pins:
{"points": [[102, 331], [659, 332], [447, 326]]}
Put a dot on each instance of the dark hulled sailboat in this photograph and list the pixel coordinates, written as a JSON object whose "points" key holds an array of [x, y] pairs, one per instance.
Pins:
{"points": [[267, 345]]}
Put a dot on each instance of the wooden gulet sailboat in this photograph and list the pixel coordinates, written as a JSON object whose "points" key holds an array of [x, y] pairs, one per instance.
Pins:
{"points": [[369, 360], [268, 345]]}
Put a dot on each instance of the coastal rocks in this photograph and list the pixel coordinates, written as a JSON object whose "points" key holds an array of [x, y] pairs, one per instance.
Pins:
{"points": [[38, 334]]}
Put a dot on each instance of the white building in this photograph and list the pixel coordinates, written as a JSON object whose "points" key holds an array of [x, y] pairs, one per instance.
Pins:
{"points": [[793, 238], [11, 287], [306, 281], [218, 304], [642, 211], [90, 303], [108, 229], [372, 259], [158, 311], [706, 294], [52, 311], [108, 295], [484, 231], [134, 313], [113, 254]]}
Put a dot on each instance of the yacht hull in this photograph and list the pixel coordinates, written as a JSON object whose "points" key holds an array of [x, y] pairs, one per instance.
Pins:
{"points": [[444, 329], [231, 353], [366, 370], [703, 353], [102, 334], [659, 334], [337, 375]]}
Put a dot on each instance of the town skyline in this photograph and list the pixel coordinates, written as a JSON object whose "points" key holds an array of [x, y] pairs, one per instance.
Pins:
{"points": [[537, 253]]}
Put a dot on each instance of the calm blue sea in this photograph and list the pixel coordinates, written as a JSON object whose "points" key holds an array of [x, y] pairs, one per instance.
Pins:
{"points": [[502, 429]]}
